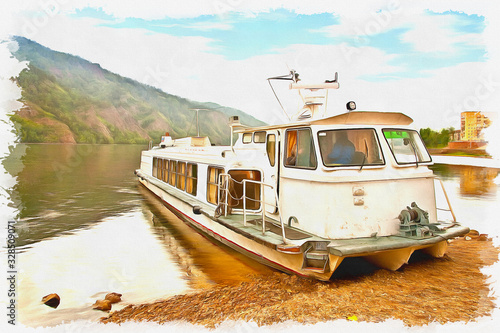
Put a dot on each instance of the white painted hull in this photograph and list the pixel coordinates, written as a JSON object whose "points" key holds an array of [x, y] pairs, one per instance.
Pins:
{"points": [[391, 259]]}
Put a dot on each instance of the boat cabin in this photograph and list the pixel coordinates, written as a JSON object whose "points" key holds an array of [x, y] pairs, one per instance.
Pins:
{"points": [[345, 176], [341, 177]]}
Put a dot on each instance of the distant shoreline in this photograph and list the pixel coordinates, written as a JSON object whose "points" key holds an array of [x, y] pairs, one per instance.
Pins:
{"points": [[459, 152], [82, 143]]}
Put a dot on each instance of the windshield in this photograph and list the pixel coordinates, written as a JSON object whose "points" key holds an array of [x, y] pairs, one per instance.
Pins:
{"points": [[353, 147], [406, 146]]}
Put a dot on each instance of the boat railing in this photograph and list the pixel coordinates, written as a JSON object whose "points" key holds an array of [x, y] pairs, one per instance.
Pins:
{"points": [[449, 209], [225, 195]]}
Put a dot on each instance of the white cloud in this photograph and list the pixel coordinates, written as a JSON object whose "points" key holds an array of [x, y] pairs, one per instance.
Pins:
{"points": [[437, 101], [209, 26], [367, 22], [435, 34], [156, 9]]}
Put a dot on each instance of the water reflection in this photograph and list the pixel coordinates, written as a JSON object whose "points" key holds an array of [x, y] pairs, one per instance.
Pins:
{"points": [[474, 181], [474, 195], [119, 254], [199, 256], [61, 188], [146, 254]]}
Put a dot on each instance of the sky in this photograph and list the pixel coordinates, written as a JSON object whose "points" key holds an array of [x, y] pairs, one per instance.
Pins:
{"points": [[426, 59]]}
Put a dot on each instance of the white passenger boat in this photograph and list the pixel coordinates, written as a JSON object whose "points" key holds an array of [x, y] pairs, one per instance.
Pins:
{"points": [[303, 196]]}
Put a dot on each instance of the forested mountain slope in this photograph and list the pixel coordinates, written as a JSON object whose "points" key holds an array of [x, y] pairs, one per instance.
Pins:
{"points": [[69, 99]]}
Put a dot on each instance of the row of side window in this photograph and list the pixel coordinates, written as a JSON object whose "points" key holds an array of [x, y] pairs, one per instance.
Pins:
{"points": [[263, 137], [179, 174], [184, 176], [258, 137]]}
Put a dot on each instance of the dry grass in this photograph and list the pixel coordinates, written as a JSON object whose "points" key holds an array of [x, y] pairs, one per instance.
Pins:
{"points": [[443, 290]]}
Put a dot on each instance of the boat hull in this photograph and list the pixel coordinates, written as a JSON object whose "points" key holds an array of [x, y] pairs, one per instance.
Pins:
{"points": [[393, 259], [267, 254]]}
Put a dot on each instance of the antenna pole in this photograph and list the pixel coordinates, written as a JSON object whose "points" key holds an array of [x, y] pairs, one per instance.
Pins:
{"points": [[197, 119], [197, 124]]}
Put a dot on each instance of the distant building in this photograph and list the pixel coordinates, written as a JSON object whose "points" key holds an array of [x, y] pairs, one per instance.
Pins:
{"points": [[472, 123], [471, 133]]}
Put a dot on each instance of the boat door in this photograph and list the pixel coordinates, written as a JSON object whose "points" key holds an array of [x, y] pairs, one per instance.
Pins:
{"points": [[271, 170]]}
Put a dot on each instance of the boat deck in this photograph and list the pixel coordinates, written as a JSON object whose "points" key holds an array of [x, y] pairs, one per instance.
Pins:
{"points": [[272, 236], [359, 246]]}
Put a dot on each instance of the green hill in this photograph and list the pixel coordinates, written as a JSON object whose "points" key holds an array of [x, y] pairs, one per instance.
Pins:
{"points": [[69, 99]]}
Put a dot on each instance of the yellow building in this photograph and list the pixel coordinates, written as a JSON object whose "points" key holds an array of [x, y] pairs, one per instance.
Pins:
{"points": [[472, 123]]}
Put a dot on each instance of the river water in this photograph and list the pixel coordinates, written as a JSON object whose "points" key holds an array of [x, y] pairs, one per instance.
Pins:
{"points": [[87, 228]]}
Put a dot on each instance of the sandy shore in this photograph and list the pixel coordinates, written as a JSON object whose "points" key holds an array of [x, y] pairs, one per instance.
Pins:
{"points": [[443, 290]]}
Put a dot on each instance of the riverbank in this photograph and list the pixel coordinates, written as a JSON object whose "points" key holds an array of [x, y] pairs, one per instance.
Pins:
{"points": [[472, 152], [450, 289]]}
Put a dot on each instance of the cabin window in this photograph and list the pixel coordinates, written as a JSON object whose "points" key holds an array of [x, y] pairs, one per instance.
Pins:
{"points": [[164, 175], [192, 178], [252, 190], [300, 149], [155, 167], [352, 147], [172, 172], [212, 183], [247, 137], [259, 137], [406, 146], [181, 175], [271, 149], [160, 168], [159, 171]]}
